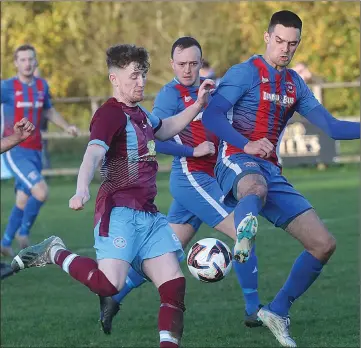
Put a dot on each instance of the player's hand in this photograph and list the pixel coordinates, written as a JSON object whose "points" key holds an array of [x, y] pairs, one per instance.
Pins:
{"points": [[78, 201], [23, 129], [204, 149], [262, 147], [72, 130], [205, 89]]}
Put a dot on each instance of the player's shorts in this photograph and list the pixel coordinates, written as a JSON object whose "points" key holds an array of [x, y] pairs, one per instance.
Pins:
{"points": [[135, 236], [25, 165], [283, 202], [197, 198]]}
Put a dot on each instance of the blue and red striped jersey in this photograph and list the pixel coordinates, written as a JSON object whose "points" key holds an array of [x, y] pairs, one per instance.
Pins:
{"points": [[263, 100], [20, 100], [172, 99]]}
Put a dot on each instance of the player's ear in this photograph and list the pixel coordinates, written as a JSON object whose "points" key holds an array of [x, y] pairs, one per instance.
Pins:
{"points": [[266, 37], [113, 79], [172, 63]]}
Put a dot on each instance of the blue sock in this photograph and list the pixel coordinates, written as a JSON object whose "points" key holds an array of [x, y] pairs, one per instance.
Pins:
{"points": [[304, 272], [133, 281], [247, 275], [249, 204], [31, 211], [14, 223]]}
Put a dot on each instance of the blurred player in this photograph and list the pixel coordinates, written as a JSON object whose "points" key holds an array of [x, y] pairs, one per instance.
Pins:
{"points": [[197, 196], [26, 96], [22, 130], [251, 107], [128, 227]]}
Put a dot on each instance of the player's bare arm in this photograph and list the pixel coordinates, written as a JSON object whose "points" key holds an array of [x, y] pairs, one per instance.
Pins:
{"points": [[94, 154], [175, 124], [22, 130], [53, 116]]}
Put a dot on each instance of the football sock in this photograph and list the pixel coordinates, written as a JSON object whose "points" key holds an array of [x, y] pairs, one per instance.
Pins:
{"points": [[13, 225], [251, 204], [133, 281], [170, 319], [247, 275], [304, 272], [85, 270], [31, 211]]}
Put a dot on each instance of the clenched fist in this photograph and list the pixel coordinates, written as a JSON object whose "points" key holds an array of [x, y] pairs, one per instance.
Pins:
{"points": [[23, 129], [204, 149]]}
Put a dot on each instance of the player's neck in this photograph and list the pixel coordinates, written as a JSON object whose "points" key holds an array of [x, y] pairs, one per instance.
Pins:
{"points": [[123, 100], [273, 65], [25, 79]]}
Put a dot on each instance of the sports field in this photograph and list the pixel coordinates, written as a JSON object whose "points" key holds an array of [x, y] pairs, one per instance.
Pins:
{"points": [[47, 308]]}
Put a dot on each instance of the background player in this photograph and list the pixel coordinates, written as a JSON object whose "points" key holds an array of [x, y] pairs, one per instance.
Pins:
{"points": [[197, 196], [26, 96], [128, 227], [259, 96], [22, 130]]}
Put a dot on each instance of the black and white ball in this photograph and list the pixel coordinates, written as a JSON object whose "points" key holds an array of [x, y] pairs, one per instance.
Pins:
{"points": [[209, 260]]}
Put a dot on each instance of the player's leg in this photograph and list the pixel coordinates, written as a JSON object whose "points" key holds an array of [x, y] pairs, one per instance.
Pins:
{"points": [[39, 194], [288, 209], [165, 273], [243, 180], [14, 222], [247, 275], [202, 196], [159, 260], [114, 250]]}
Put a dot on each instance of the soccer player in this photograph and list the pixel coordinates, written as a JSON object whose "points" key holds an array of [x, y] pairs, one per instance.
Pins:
{"points": [[249, 110], [197, 196], [26, 96], [128, 228], [22, 130]]}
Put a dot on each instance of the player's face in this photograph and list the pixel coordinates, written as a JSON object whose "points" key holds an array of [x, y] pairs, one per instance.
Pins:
{"points": [[26, 63], [281, 45], [186, 64], [129, 83]]}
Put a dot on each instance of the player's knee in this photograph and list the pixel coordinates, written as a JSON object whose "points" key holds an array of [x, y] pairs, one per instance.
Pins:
{"points": [[101, 285], [252, 184], [328, 247], [40, 191]]}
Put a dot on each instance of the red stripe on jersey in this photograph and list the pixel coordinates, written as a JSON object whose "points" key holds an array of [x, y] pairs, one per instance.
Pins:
{"points": [[19, 98], [31, 100], [34, 141], [261, 122], [199, 135]]}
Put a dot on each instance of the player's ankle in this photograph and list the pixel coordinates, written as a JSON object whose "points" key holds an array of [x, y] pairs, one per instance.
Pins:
{"points": [[54, 252]]}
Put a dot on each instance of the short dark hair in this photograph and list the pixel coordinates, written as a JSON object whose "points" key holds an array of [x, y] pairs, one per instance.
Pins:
{"points": [[185, 42], [120, 56], [25, 47], [286, 18]]}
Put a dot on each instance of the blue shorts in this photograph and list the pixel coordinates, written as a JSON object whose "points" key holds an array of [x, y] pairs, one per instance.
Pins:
{"points": [[135, 236], [25, 165], [283, 202], [197, 198]]}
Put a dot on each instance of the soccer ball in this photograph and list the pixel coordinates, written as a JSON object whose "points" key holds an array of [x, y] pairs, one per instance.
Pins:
{"points": [[209, 260]]}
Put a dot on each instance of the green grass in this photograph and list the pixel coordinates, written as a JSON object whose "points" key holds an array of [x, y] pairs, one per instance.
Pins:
{"points": [[47, 308]]}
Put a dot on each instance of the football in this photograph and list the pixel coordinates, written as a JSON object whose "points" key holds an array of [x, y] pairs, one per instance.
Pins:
{"points": [[209, 260]]}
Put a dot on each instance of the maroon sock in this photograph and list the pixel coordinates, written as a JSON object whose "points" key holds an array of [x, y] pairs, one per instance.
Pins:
{"points": [[85, 270], [170, 319]]}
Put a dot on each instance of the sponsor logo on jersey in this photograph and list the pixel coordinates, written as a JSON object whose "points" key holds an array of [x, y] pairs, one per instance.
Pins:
{"points": [[264, 79], [278, 98], [187, 99]]}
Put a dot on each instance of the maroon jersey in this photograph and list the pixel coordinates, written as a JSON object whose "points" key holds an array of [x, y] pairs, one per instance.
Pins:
{"points": [[129, 168]]}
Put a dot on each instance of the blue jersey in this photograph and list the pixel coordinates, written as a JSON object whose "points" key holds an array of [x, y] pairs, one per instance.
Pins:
{"points": [[20, 100], [172, 99], [263, 100]]}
